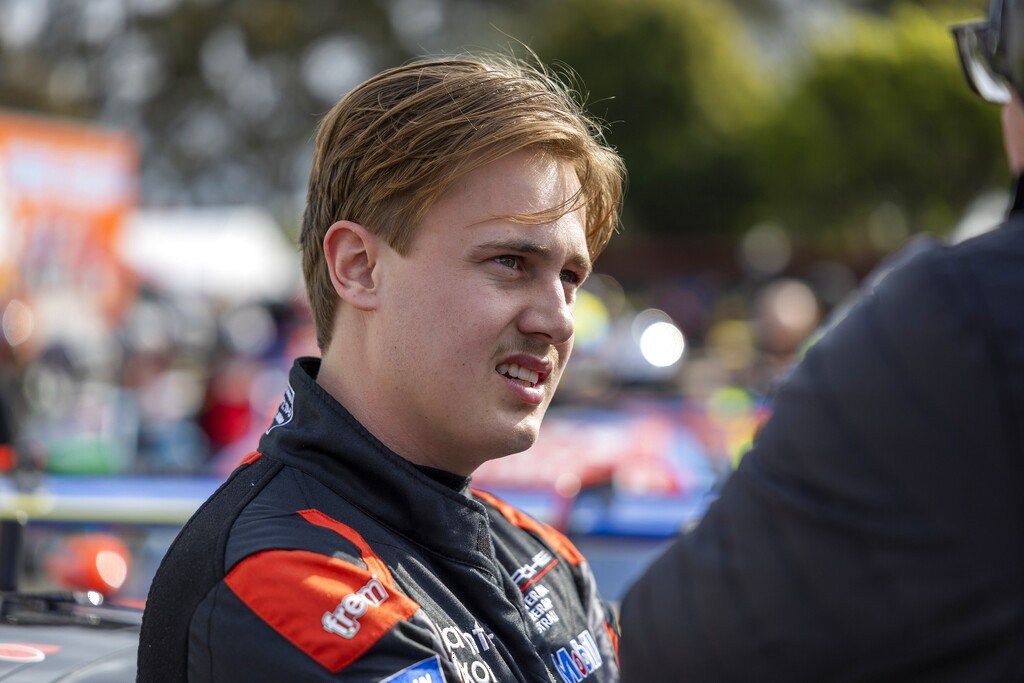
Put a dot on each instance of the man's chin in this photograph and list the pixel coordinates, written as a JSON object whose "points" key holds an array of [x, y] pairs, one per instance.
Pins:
{"points": [[522, 436], [502, 439], [512, 439]]}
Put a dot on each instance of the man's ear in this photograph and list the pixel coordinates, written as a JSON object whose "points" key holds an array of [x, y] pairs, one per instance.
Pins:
{"points": [[351, 254]]}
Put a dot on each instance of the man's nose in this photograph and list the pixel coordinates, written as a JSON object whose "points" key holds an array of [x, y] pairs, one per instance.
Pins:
{"points": [[549, 313]]}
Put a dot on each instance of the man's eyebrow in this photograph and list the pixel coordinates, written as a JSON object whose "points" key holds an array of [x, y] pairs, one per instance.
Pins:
{"points": [[520, 246]]}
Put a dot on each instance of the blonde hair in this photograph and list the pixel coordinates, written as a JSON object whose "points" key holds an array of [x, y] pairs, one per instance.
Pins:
{"points": [[389, 149]]}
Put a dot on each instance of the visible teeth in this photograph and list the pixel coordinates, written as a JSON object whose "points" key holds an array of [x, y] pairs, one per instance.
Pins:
{"points": [[517, 372]]}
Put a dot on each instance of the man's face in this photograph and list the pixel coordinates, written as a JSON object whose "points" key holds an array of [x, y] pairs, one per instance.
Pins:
{"points": [[475, 323]]}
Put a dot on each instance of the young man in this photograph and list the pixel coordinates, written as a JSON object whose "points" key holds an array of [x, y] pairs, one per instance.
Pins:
{"points": [[876, 530], [455, 206]]}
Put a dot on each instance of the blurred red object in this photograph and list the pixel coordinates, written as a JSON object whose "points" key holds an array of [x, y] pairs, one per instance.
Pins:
{"points": [[90, 562], [8, 458], [228, 412]]}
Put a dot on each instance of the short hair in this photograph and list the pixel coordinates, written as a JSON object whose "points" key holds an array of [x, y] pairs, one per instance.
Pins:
{"points": [[389, 149]]}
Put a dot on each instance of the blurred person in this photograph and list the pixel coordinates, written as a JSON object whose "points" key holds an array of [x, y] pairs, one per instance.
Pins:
{"points": [[227, 412], [874, 532], [161, 388], [454, 208], [11, 405]]}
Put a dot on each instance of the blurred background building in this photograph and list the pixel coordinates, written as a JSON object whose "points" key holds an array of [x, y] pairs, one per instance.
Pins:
{"points": [[153, 160]]}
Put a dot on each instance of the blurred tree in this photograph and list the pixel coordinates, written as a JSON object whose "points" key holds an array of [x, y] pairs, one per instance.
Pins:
{"points": [[224, 95], [676, 85], [868, 130], [718, 130], [885, 7], [879, 131]]}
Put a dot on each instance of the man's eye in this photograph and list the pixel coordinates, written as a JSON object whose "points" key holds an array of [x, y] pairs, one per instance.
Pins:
{"points": [[571, 277], [508, 261]]}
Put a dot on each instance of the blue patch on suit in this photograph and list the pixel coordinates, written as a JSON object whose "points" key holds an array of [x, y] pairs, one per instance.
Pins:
{"points": [[427, 671]]}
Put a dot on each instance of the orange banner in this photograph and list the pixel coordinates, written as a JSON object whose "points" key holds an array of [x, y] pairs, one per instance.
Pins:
{"points": [[65, 191]]}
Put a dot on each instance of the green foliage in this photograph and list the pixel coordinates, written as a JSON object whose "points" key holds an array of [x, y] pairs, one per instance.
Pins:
{"points": [[881, 117], [676, 91], [874, 118]]}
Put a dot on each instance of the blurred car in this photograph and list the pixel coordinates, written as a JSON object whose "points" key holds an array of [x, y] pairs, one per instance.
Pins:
{"points": [[67, 638], [76, 558]]}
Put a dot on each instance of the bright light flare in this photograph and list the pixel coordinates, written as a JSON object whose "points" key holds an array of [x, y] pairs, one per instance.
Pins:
{"points": [[18, 322], [662, 344], [112, 567]]}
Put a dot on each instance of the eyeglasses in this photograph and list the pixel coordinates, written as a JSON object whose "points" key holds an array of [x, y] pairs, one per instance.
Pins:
{"points": [[974, 46]]}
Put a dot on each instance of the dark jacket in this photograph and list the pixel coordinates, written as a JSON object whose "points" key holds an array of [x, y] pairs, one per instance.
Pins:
{"points": [[328, 557], [874, 532]]}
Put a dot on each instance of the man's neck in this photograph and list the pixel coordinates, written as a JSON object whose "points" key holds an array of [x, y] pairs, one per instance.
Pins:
{"points": [[348, 379]]}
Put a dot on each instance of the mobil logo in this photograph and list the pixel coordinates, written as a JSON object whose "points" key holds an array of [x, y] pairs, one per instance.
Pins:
{"points": [[580, 658]]}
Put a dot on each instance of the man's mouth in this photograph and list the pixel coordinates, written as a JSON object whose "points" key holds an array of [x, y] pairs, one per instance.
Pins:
{"points": [[525, 375]]}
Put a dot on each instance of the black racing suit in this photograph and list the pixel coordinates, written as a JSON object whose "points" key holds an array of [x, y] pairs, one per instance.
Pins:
{"points": [[328, 557], [875, 532]]}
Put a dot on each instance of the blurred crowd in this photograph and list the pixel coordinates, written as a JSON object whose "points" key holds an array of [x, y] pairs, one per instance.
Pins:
{"points": [[178, 383], [173, 384]]}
